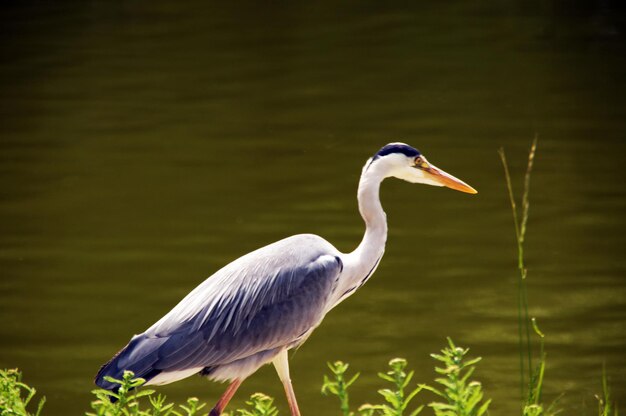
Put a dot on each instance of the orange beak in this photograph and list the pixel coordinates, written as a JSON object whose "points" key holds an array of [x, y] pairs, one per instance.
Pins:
{"points": [[445, 179]]}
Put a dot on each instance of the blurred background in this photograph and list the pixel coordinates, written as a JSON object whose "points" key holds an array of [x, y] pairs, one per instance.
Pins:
{"points": [[144, 145]]}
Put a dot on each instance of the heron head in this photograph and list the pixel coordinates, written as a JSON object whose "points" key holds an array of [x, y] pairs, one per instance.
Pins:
{"points": [[402, 161]]}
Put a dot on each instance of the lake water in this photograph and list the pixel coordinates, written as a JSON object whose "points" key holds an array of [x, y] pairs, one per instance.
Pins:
{"points": [[146, 144]]}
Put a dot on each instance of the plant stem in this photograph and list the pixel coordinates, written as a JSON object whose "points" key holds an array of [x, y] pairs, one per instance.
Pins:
{"points": [[523, 318], [523, 270], [521, 265]]}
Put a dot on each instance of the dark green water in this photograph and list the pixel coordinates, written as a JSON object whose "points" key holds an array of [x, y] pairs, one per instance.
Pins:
{"points": [[145, 145]]}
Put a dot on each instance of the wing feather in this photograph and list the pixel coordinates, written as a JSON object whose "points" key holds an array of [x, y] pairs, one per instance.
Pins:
{"points": [[264, 300]]}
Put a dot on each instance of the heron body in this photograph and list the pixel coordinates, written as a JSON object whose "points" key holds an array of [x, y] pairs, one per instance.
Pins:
{"points": [[255, 309]]}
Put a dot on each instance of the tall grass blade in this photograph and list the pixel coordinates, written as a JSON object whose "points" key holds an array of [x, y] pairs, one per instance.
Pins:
{"points": [[523, 318]]}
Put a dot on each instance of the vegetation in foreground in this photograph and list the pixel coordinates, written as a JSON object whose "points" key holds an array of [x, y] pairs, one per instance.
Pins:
{"points": [[457, 394], [16, 395], [531, 379], [460, 395]]}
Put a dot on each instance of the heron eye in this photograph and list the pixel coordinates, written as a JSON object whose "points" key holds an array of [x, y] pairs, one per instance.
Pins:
{"points": [[420, 163]]}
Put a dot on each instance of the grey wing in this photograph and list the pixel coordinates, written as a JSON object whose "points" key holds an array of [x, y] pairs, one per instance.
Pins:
{"points": [[266, 300]]}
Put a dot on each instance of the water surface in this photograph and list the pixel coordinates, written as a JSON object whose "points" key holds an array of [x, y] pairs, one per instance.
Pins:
{"points": [[145, 145]]}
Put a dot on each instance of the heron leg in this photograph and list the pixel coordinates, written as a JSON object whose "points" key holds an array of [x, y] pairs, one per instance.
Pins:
{"points": [[281, 363], [223, 401]]}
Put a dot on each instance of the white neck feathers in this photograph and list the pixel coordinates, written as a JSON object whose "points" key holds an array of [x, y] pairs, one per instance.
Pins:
{"points": [[360, 264]]}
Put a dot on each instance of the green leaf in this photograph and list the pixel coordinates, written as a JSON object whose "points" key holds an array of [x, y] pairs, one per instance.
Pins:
{"points": [[386, 377], [483, 408], [144, 393], [416, 411], [113, 380]]}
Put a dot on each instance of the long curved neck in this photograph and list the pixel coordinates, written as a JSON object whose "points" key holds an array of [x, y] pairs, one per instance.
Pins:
{"points": [[373, 244], [362, 262]]}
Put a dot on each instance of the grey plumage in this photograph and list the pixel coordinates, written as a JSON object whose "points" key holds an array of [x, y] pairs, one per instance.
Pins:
{"points": [[245, 312]]}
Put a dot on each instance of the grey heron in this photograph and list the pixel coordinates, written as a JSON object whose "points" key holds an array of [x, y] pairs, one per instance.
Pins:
{"points": [[255, 309]]}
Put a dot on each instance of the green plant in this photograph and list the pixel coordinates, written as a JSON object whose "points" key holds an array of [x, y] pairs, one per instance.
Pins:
{"points": [[605, 404], [531, 382], [127, 403], [463, 396], [398, 400], [192, 408], [520, 234], [533, 405], [338, 385], [260, 405], [124, 402], [16, 395]]}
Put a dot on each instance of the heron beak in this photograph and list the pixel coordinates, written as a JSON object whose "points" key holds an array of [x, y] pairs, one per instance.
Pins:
{"points": [[445, 179]]}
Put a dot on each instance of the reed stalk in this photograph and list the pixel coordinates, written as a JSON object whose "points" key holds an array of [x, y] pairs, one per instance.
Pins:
{"points": [[523, 318]]}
